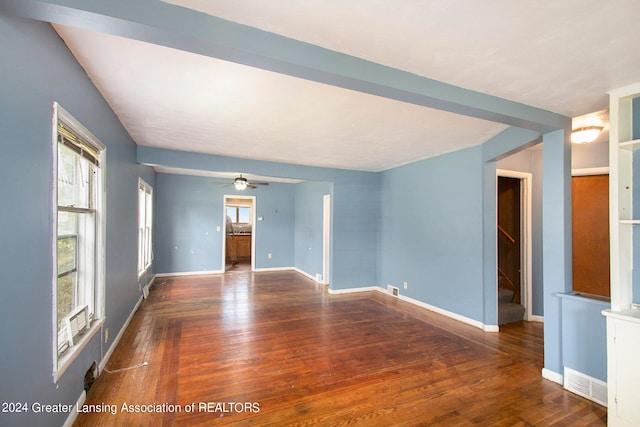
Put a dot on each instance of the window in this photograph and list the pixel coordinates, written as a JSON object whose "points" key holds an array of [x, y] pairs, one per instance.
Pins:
{"points": [[145, 223], [79, 259], [239, 214]]}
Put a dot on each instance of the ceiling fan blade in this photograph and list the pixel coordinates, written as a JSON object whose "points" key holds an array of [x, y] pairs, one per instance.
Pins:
{"points": [[258, 183], [249, 185]]}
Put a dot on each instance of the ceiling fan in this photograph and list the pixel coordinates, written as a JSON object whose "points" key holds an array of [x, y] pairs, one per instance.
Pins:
{"points": [[240, 183]]}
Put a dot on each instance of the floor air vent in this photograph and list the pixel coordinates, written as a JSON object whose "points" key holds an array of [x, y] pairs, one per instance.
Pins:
{"points": [[393, 290], [585, 386]]}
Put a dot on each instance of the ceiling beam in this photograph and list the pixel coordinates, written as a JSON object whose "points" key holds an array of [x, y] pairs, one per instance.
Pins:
{"points": [[176, 27]]}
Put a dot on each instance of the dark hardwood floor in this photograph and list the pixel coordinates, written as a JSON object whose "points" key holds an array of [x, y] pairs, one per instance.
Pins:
{"points": [[242, 266], [284, 352]]}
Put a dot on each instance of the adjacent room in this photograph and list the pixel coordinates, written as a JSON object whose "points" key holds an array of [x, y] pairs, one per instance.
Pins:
{"points": [[372, 213]]}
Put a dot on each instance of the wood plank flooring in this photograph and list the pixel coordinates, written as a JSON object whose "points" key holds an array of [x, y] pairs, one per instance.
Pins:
{"points": [[274, 349]]}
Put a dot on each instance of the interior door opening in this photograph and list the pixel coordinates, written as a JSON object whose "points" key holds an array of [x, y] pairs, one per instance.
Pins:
{"points": [[239, 242], [514, 251]]}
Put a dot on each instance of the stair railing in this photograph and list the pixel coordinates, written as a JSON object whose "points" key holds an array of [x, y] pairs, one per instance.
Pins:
{"points": [[510, 285], [506, 234]]}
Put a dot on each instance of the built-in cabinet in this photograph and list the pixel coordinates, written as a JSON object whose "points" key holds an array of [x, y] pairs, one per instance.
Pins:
{"points": [[623, 319]]}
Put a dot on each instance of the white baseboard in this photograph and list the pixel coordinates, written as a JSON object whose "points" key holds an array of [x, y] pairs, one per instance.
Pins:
{"points": [[114, 344], [352, 290], [71, 418], [552, 376], [536, 318], [304, 273], [190, 273], [145, 288], [267, 269], [449, 314], [208, 272], [257, 270]]}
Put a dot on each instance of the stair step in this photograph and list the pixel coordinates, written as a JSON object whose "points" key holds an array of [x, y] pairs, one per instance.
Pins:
{"points": [[509, 313], [505, 295]]}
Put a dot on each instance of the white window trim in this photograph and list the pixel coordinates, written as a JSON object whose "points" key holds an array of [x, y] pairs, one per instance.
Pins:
{"points": [[148, 189], [237, 219], [61, 363]]}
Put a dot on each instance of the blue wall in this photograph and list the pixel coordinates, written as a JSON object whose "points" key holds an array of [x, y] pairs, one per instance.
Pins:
{"points": [[355, 208], [584, 335], [275, 234], [37, 69], [190, 208], [309, 226], [431, 231]]}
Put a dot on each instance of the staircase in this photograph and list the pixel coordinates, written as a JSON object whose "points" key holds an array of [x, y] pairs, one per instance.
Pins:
{"points": [[508, 311]]}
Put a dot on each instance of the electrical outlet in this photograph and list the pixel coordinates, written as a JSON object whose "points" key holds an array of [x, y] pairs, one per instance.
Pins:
{"points": [[406, 285], [106, 335]]}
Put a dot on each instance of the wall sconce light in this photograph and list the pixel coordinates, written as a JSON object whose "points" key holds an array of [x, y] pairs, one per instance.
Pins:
{"points": [[586, 134]]}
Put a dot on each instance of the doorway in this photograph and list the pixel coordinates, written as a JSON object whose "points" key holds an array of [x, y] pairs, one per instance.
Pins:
{"points": [[238, 248], [514, 246]]}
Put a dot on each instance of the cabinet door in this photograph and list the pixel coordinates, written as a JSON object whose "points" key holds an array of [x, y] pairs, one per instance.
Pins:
{"points": [[627, 349], [244, 246]]}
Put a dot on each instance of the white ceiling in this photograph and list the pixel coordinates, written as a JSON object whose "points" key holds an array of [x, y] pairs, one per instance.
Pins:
{"points": [[558, 56]]}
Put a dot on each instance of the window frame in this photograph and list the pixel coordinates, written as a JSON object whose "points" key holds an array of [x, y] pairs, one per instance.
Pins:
{"points": [[236, 218], [145, 231], [61, 361]]}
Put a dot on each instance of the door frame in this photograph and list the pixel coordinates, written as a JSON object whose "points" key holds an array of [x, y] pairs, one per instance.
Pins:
{"points": [[326, 238], [604, 170], [526, 263], [253, 228]]}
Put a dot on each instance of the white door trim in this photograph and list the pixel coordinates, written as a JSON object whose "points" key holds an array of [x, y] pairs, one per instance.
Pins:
{"points": [[326, 238], [590, 171], [526, 279], [253, 228]]}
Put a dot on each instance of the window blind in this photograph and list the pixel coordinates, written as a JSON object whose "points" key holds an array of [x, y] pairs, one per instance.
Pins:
{"points": [[77, 144]]}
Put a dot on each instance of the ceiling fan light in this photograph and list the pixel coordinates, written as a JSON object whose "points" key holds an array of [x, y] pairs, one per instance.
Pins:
{"points": [[240, 183], [585, 134]]}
